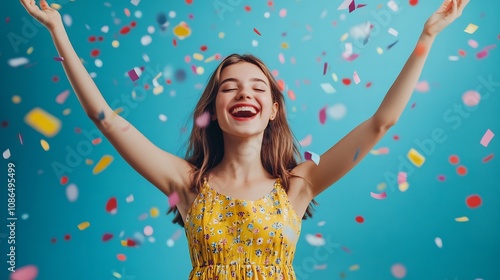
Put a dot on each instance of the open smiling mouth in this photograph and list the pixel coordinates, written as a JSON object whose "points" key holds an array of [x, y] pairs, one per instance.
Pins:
{"points": [[244, 114]]}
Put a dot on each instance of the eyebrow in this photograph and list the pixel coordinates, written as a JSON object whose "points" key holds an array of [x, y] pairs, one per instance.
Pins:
{"points": [[236, 80]]}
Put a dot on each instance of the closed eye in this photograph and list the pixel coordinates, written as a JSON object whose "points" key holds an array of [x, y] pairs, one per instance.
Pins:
{"points": [[229, 89], [258, 89]]}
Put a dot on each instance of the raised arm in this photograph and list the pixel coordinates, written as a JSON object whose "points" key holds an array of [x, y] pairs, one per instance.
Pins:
{"points": [[165, 171], [348, 152]]}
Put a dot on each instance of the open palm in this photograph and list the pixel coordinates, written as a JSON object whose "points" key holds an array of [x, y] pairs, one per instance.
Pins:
{"points": [[46, 15], [446, 14]]}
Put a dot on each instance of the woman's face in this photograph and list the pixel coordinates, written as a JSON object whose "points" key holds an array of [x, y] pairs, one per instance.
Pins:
{"points": [[244, 104]]}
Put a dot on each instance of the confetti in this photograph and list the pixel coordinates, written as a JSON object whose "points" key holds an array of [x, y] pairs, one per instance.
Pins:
{"points": [[393, 5], [393, 32], [134, 74], [203, 120], [121, 257], [359, 219], [58, 58], [471, 98], [461, 170], [106, 237], [484, 52], [438, 242], [173, 199], [45, 145], [27, 272], [83, 225], [256, 31], [72, 192], [462, 219], [306, 141], [398, 271], [356, 154], [328, 88], [312, 156], [315, 240], [356, 78], [18, 61], [112, 206], [382, 195], [471, 28], [487, 158], [154, 212], [43, 122], [322, 115], [472, 43], [61, 97], [422, 86], [485, 140], [337, 111], [103, 163], [392, 45], [473, 201], [325, 67], [6, 154], [415, 157]]}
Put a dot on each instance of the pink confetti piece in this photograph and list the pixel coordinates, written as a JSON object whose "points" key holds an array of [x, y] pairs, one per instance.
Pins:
{"points": [[471, 98], [306, 141], [27, 272], [173, 199], [20, 138], [345, 5], [312, 156], [352, 57], [484, 52], [402, 177], [382, 195], [322, 115], [61, 97], [352, 6], [133, 74], [383, 151], [422, 86], [282, 13], [398, 271], [281, 58], [488, 135], [256, 31], [203, 120], [472, 43], [356, 78]]}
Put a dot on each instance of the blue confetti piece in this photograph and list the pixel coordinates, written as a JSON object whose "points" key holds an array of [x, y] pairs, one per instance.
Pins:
{"points": [[101, 116], [392, 45], [356, 155]]}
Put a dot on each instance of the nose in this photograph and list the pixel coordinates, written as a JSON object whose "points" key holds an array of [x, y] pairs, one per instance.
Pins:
{"points": [[244, 93]]}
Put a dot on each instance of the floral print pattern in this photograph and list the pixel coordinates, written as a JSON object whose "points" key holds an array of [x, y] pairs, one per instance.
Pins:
{"points": [[242, 239]]}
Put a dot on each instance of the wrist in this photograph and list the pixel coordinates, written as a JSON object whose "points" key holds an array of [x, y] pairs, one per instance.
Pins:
{"points": [[426, 38]]}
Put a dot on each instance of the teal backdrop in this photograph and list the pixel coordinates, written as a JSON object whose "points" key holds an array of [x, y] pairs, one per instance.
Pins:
{"points": [[440, 222]]}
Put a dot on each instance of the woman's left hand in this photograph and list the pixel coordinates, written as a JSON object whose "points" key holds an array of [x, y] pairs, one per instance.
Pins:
{"points": [[446, 14]]}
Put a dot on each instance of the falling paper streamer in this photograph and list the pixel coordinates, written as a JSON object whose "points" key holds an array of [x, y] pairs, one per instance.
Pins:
{"points": [[488, 135], [43, 122], [103, 163], [312, 156]]}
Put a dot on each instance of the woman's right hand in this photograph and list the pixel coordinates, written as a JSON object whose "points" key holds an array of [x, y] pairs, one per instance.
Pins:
{"points": [[47, 16]]}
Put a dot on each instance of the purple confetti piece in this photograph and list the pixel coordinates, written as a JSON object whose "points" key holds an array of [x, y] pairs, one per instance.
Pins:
{"points": [[58, 58]]}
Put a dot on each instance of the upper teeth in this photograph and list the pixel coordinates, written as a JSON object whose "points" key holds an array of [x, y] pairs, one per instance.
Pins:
{"points": [[244, 108]]}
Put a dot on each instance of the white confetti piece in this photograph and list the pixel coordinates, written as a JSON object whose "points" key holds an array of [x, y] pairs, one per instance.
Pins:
{"points": [[72, 192], [312, 156], [146, 40], [18, 61], [337, 111], [315, 240], [328, 88], [356, 78], [393, 32], [130, 198], [6, 154], [438, 242]]}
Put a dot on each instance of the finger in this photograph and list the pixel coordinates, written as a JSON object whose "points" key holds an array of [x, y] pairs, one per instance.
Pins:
{"points": [[462, 5], [455, 7], [44, 5], [445, 6], [30, 6]]}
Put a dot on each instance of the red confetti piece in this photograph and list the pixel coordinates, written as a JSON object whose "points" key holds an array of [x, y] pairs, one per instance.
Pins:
{"points": [[248, 8], [131, 243], [133, 24], [174, 42], [360, 219], [346, 81], [64, 180], [454, 159], [189, 2], [473, 201], [322, 115], [462, 170], [395, 137], [256, 31], [488, 158], [125, 30], [369, 84], [55, 79], [382, 195], [96, 141], [203, 48], [111, 205], [95, 52], [67, 237], [106, 237], [291, 95], [92, 39], [347, 250], [121, 257], [53, 240], [413, 2], [462, 52]]}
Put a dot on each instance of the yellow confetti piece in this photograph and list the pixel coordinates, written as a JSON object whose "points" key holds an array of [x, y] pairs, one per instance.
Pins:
{"points": [[45, 145], [115, 44], [16, 99], [157, 90], [55, 6], [381, 187], [30, 50], [154, 212], [462, 219], [354, 267], [380, 50], [210, 58], [284, 45], [43, 122], [182, 30], [66, 111], [198, 56], [221, 35], [471, 28], [123, 242], [415, 157], [103, 163], [117, 275], [404, 186], [83, 225], [344, 37]]}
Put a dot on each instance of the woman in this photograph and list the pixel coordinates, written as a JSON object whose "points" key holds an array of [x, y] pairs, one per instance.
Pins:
{"points": [[241, 192]]}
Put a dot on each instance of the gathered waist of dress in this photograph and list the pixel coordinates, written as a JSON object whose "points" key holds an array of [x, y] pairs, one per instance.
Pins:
{"points": [[247, 271]]}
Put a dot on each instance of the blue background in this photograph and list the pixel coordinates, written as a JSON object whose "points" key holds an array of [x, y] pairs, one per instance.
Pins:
{"points": [[400, 229]]}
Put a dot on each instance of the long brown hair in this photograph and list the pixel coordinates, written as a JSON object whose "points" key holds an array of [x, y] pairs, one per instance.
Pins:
{"points": [[279, 152]]}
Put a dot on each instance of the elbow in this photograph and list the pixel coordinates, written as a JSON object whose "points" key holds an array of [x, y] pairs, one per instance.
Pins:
{"points": [[383, 124]]}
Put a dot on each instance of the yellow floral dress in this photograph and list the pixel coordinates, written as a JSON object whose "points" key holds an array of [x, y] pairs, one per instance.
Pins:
{"points": [[241, 239]]}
